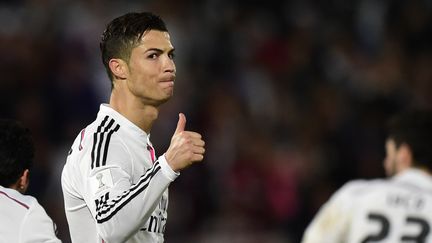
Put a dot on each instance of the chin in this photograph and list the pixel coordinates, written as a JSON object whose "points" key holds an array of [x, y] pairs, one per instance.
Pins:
{"points": [[168, 95], [162, 100]]}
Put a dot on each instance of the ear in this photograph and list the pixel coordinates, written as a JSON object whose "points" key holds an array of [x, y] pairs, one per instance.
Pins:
{"points": [[119, 68], [23, 181], [405, 156]]}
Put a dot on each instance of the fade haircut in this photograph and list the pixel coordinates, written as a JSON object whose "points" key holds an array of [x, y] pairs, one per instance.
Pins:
{"points": [[124, 33], [16, 151], [414, 128]]}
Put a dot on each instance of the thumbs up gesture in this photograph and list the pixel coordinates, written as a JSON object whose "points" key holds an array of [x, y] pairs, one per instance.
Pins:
{"points": [[186, 147]]}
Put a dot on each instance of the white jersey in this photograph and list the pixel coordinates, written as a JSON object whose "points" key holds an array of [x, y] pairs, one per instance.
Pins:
{"points": [[395, 210], [22, 219], [114, 190]]}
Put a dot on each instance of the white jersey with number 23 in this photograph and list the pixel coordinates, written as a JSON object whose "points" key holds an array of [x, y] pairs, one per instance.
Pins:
{"points": [[395, 210]]}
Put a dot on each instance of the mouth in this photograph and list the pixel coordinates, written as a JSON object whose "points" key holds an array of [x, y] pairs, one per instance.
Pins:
{"points": [[169, 82]]}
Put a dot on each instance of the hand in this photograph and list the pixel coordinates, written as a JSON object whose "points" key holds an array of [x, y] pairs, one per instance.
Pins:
{"points": [[186, 147]]}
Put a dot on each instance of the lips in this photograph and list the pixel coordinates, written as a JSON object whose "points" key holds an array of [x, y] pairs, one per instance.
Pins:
{"points": [[169, 79], [168, 82]]}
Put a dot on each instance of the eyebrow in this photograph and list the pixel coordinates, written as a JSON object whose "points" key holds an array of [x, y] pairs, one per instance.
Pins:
{"points": [[159, 50]]}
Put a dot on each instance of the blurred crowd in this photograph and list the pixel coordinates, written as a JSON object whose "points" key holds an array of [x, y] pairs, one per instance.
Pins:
{"points": [[291, 98]]}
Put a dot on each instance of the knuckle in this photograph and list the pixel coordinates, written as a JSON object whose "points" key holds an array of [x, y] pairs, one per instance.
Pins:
{"points": [[185, 134]]}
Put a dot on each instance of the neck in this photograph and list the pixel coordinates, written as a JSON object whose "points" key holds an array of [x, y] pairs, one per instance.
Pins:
{"points": [[18, 187], [134, 109]]}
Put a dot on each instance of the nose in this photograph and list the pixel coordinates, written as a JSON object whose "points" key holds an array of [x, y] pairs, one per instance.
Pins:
{"points": [[169, 65]]}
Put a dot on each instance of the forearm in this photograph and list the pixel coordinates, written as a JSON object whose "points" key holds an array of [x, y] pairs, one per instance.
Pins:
{"points": [[120, 217]]}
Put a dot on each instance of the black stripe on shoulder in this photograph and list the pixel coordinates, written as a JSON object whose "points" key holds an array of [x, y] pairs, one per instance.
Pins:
{"points": [[116, 128], [101, 140], [95, 140]]}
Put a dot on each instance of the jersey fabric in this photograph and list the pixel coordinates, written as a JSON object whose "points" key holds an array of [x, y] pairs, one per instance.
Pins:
{"points": [[394, 210], [114, 190], [22, 219]]}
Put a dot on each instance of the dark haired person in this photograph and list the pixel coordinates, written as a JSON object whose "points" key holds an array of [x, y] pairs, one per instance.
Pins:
{"points": [[22, 218], [397, 209], [115, 188]]}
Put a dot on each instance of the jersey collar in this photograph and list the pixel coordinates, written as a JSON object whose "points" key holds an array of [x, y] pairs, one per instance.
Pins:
{"points": [[419, 177], [105, 109]]}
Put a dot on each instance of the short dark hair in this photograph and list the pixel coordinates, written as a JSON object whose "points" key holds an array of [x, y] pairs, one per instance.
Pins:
{"points": [[124, 33], [414, 128], [16, 151]]}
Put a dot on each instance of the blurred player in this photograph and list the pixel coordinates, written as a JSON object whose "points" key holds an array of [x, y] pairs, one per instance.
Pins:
{"points": [[114, 187], [395, 210], [22, 219]]}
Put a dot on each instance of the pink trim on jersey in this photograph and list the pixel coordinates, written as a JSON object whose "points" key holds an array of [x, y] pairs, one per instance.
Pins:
{"points": [[22, 204], [152, 152], [82, 137]]}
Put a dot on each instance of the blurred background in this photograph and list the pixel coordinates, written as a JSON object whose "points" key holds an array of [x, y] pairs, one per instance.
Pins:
{"points": [[291, 97]]}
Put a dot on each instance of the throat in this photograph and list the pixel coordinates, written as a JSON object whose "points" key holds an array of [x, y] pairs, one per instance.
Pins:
{"points": [[138, 113], [143, 117]]}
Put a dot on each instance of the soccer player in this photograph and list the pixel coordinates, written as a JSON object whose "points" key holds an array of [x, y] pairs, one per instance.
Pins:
{"points": [[393, 210], [22, 218], [114, 187]]}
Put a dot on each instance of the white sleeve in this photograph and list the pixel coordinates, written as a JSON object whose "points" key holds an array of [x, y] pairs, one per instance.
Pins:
{"points": [[332, 222], [119, 207], [38, 226]]}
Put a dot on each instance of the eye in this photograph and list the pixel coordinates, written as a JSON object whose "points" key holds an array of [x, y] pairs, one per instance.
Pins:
{"points": [[171, 55], [153, 56]]}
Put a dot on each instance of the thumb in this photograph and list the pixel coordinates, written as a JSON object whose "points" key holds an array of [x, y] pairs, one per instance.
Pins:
{"points": [[181, 124]]}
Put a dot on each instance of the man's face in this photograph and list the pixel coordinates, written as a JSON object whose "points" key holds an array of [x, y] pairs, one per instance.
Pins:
{"points": [[391, 159], [152, 69]]}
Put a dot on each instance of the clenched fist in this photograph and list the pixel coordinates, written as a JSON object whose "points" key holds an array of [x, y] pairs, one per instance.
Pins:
{"points": [[186, 147]]}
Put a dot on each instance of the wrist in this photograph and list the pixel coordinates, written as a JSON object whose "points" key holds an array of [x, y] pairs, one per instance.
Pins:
{"points": [[167, 169]]}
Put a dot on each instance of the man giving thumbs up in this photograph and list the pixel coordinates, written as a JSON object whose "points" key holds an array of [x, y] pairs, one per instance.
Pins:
{"points": [[114, 187], [186, 147]]}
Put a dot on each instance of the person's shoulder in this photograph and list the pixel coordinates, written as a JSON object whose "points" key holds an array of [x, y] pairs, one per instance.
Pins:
{"points": [[86, 130], [105, 125], [362, 184], [359, 187], [103, 129], [21, 200]]}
